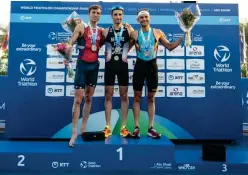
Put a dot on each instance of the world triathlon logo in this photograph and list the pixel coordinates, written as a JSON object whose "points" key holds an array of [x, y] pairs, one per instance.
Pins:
{"points": [[222, 53], [28, 67]]}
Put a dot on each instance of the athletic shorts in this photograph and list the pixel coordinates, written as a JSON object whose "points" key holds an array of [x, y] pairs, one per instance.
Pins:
{"points": [[145, 70], [86, 74], [113, 69]]}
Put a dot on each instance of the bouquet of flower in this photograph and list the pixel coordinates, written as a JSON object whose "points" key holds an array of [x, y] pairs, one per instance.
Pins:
{"points": [[71, 22], [65, 49], [187, 20]]}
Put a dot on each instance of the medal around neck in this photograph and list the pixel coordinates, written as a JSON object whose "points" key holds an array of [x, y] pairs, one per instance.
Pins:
{"points": [[94, 37], [146, 42], [116, 58], [118, 37]]}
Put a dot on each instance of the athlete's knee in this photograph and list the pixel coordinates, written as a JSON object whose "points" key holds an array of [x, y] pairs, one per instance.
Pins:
{"points": [[151, 97], [108, 97], [88, 95], [108, 93], [137, 96], [124, 97], [88, 98], [78, 100], [78, 96]]}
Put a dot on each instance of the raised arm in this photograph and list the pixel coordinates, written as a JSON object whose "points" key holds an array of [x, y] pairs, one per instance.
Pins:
{"points": [[166, 43], [79, 30]]}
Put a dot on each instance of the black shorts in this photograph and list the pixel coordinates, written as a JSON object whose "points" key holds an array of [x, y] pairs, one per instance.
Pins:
{"points": [[86, 74], [113, 69], [145, 70]]}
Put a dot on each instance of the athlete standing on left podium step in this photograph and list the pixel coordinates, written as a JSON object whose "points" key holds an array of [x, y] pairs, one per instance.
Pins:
{"points": [[87, 68]]}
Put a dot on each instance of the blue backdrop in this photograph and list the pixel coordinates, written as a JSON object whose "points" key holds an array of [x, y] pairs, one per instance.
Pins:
{"points": [[199, 87]]}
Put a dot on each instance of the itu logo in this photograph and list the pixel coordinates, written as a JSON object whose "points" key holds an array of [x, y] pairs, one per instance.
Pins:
{"points": [[28, 67], [52, 35], [222, 53]]}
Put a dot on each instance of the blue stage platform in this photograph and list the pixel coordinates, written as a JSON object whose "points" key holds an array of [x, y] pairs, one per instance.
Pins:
{"points": [[116, 154]]}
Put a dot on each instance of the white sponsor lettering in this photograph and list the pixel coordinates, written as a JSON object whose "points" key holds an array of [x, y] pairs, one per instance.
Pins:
{"points": [[175, 64], [176, 77], [59, 165], [225, 20], [175, 91], [28, 48], [162, 165], [196, 78], [25, 18], [220, 85], [196, 91], [197, 37], [186, 167], [222, 55], [195, 51], [28, 68], [195, 64], [54, 90], [55, 77], [85, 164]]}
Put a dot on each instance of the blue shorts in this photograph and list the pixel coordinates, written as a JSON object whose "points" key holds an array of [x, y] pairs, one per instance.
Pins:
{"points": [[86, 74]]}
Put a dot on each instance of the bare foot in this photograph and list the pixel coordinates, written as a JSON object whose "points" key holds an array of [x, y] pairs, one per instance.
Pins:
{"points": [[82, 130], [73, 138]]}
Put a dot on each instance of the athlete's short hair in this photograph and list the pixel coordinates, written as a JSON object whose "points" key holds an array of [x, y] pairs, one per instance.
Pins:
{"points": [[95, 7]]}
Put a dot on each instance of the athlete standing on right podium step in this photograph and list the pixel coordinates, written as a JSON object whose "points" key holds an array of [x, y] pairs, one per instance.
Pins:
{"points": [[146, 68]]}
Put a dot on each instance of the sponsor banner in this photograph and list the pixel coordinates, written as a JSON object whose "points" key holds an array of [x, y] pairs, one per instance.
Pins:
{"points": [[196, 91], [175, 64], [175, 77], [195, 51], [54, 91], [195, 78], [195, 64], [175, 91]]}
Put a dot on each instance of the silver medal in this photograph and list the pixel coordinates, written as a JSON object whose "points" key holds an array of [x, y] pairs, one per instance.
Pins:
{"points": [[147, 53], [93, 48]]}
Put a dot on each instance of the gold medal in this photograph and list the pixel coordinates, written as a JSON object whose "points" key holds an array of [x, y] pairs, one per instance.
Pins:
{"points": [[116, 58]]}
